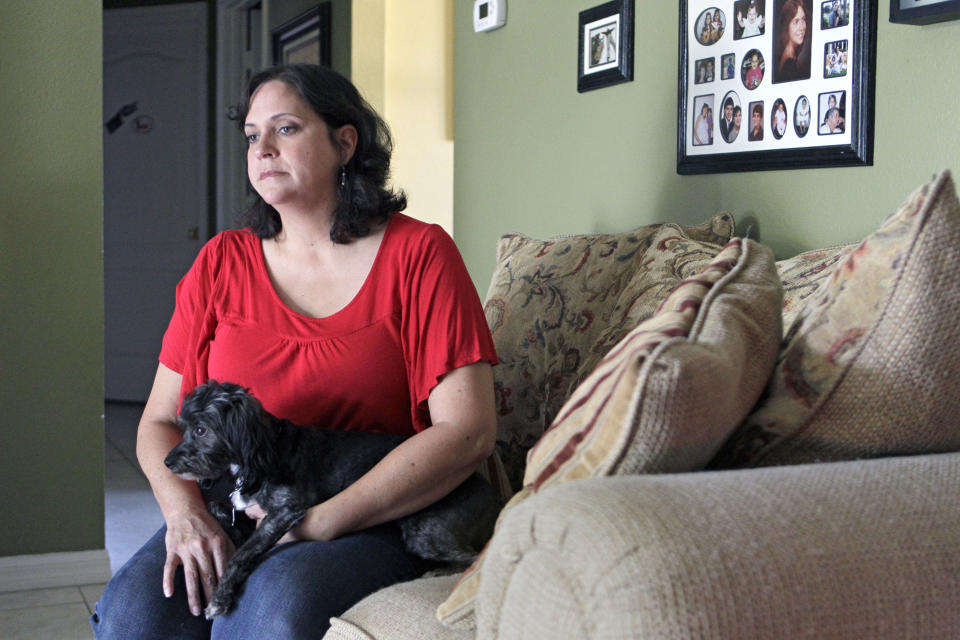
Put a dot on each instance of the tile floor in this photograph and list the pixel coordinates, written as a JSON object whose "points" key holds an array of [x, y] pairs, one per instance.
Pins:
{"points": [[132, 516]]}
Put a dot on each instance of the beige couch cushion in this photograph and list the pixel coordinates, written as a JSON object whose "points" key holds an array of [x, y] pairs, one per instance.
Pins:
{"points": [[871, 365], [667, 395], [852, 550], [550, 300], [405, 611]]}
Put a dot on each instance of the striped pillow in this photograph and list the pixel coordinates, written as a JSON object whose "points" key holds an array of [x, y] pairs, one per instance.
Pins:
{"points": [[668, 394]]}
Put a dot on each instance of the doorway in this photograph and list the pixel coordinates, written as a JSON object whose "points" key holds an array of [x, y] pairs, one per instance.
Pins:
{"points": [[156, 148], [157, 212]]}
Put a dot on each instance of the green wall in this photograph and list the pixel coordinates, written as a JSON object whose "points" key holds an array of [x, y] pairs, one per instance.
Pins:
{"points": [[51, 277], [533, 155]]}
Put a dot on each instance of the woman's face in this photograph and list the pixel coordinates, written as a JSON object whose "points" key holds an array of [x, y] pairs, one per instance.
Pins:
{"points": [[292, 157], [737, 118], [756, 120], [797, 29]]}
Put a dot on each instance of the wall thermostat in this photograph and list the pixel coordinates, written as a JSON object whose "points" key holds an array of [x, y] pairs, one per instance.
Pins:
{"points": [[489, 14]]}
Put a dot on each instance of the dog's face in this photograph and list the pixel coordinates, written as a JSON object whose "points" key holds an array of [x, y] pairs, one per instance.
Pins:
{"points": [[209, 418]]}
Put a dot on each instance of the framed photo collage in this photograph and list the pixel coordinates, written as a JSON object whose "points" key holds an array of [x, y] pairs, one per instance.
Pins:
{"points": [[772, 84]]}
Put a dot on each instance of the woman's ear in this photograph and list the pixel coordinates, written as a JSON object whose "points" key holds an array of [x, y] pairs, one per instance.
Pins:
{"points": [[345, 138]]}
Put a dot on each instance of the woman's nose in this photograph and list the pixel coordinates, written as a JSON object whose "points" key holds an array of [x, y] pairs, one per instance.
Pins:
{"points": [[265, 148]]}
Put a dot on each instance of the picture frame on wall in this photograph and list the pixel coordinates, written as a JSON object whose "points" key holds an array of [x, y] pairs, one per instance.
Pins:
{"points": [[794, 88], [605, 45], [305, 38], [924, 11]]}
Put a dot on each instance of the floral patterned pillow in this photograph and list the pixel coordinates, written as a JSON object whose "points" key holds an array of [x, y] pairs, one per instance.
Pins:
{"points": [[870, 366], [803, 274], [550, 301]]}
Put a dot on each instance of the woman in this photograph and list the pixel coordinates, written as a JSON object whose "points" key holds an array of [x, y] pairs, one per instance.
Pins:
{"points": [[706, 32], [793, 61], [335, 310]]}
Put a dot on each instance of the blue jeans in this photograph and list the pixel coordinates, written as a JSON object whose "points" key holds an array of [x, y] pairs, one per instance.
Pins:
{"points": [[292, 594]]}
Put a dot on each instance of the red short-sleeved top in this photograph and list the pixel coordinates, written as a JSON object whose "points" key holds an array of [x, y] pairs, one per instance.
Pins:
{"points": [[370, 366]]}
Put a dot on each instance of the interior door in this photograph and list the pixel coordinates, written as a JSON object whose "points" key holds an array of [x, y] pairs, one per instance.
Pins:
{"points": [[156, 209]]}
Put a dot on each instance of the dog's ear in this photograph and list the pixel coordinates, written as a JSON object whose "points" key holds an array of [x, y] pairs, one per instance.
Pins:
{"points": [[253, 439]]}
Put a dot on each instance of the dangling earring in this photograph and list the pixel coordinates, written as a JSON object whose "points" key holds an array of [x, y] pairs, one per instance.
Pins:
{"points": [[343, 177]]}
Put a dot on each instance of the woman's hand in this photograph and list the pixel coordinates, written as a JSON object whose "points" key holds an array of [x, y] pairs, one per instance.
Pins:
{"points": [[255, 512], [195, 541]]}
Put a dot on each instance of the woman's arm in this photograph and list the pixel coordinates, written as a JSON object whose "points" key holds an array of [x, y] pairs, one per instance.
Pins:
{"points": [[194, 538], [424, 468]]}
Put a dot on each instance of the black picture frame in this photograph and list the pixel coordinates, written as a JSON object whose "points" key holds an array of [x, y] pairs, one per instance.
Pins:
{"points": [[605, 45], [925, 14], [305, 38], [838, 72]]}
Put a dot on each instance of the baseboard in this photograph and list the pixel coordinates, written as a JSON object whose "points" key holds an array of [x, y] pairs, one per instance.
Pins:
{"points": [[41, 571]]}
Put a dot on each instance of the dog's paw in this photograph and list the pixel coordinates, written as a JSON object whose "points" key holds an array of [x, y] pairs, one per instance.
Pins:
{"points": [[217, 607]]}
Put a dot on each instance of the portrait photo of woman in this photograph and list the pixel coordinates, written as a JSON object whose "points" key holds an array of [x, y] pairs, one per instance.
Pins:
{"points": [[791, 41]]}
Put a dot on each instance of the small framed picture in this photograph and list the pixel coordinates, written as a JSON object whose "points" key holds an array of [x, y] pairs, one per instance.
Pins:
{"points": [[833, 111], [731, 117], [304, 39], [801, 116], [605, 45], [703, 123], [749, 18], [752, 69], [835, 13], [924, 11], [704, 71], [728, 66], [835, 59]]}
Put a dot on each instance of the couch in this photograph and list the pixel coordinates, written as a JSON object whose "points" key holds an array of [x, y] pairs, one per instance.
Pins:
{"points": [[698, 441]]}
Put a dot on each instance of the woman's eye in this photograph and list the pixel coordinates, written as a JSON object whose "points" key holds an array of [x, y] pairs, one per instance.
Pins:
{"points": [[287, 129], [199, 431], [251, 138]]}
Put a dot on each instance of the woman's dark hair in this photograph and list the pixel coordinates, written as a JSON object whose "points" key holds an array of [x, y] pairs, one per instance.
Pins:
{"points": [[364, 198]]}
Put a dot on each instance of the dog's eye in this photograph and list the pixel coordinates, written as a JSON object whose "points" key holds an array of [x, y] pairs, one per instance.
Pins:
{"points": [[199, 431]]}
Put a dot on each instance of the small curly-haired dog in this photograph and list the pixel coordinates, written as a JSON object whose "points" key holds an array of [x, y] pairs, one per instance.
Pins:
{"points": [[287, 469]]}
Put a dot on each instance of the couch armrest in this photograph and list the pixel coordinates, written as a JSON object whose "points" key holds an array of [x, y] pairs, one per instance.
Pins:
{"points": [[867, 549]]}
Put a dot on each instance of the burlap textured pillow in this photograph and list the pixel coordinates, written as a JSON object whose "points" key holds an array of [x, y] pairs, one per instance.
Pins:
{"points": [[871, 366], [549, 300], [667, 395]]}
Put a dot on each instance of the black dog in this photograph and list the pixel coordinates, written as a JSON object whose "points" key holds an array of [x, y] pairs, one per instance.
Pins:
{"points": [[287, 469]]}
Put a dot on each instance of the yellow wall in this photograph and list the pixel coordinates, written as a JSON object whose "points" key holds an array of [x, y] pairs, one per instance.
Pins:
{"points": [[402, 62]]}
